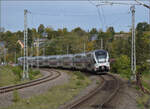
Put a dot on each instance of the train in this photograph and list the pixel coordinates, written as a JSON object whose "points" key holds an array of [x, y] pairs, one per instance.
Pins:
{"points": [[95, 61]]}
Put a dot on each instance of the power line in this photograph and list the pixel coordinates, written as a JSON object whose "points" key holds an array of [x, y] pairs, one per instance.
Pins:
{"points": [[69, 0]]}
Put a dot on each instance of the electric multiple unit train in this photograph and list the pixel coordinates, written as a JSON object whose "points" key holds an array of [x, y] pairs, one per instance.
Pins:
{"points": [[97, 61]]}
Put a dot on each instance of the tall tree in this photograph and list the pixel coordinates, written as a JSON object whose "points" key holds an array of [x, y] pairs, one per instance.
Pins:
{"points": [[79, 31], [93, 31], [41, 29], [143, 27]]}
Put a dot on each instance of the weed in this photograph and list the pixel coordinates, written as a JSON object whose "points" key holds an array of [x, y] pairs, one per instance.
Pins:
{"points": [[16, 96], [78, 83], [79, 75]]}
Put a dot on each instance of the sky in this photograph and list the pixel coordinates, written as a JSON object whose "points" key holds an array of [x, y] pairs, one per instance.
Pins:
{"points": [[69, 14]]}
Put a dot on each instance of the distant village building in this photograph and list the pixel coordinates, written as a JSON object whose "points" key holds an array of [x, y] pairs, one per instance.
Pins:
{"points": [[39, 41], [94, 37], [122, 35]]}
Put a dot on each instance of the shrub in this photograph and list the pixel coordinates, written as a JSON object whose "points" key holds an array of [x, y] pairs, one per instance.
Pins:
{"points": [[16, 96], [122, 66], [79, 75], [143, 68], [33, 73], [17, 71], [78, 83], [36, 72]]}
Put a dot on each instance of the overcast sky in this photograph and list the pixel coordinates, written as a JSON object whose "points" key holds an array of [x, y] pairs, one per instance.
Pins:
{"points": [[69, 14]]}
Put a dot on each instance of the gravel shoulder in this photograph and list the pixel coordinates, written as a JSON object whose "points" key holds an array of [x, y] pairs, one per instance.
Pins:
{"points": [[126, 97], [6, 98], [95, 81]]}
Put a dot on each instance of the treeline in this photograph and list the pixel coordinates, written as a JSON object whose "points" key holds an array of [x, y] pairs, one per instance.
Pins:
{"points": [[62, 41], [59, 41]]}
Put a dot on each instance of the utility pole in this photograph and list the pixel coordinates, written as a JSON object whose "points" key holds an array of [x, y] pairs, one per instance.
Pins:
{"points": [[101, 43], [67, 49], [37, 52], [43, 51], [133, 47], [15, 58], [31, 55], [25, 66], [5, 53], [84, 48]]}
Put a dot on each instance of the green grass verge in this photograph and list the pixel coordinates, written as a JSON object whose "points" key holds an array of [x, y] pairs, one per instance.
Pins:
{"points": [[7, 77], [142, 101], [12, 75], [56, 96]]}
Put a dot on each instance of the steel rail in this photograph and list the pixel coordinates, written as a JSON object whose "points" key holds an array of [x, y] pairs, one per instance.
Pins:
{"points": [[30, 83], [109, 98], [95, 91]]}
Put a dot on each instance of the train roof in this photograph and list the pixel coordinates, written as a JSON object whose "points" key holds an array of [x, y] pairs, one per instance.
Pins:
{"points": [[100, 50]]}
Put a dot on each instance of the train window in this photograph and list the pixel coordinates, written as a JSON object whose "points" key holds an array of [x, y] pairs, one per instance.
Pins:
{"points": [[65, 57], [52, 58], [78, 56], [100, 54]]}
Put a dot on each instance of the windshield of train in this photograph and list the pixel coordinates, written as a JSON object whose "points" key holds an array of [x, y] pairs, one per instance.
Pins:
{"points": [[100, 55]]}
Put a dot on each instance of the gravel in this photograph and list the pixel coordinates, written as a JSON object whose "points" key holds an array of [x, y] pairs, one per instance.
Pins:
{"points": [[94, 84], [125, 98]]}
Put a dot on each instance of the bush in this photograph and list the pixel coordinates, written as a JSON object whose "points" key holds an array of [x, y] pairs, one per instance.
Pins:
{"points": [[16, 96], [143, 68], [36, 72], [122, 66], [33, 73], [78, 83], [17, 71], [79, 75]]}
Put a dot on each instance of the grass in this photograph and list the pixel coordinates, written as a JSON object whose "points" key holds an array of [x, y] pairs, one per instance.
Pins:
{"points": [[12, 75], [55, 96], [146, 83], [144, 99], [16, 96], [7, 77]]}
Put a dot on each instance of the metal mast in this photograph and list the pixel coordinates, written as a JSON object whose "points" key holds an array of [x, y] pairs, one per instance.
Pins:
{"points": [[37, 52], [84, 47], [101, 43], [25, 66], [133, 47]]}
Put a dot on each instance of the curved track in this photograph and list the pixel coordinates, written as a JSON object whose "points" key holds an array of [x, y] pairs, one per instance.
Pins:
{"points": [[99, 97], [46, 78]]}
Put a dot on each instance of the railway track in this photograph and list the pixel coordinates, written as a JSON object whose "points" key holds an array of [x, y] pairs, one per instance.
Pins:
{"points": [[100, 97], [46, 78]]}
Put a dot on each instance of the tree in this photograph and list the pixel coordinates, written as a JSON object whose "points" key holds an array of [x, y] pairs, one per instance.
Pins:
{"points": [[30, 37], [110, 30], [143, 27], [122, 66], [93, 31], [49, 32], [79, 31], [41, 29]]}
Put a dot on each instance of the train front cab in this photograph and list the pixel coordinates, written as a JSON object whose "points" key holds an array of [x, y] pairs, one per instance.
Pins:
{"points": [[102, 61]]}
